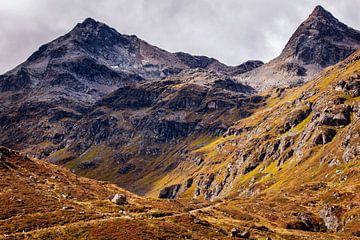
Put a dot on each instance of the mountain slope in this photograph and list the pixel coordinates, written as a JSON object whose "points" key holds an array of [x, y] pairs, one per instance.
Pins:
{"points": [[43, 201], [305, 142], [320, 41]]}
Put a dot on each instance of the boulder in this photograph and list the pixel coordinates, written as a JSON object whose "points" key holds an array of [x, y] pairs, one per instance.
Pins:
{"points": [[337, 116], [119, 199], [236, 232]]}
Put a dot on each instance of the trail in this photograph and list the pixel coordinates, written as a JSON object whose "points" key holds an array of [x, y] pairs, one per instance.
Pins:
{"points": [[139, 216]]}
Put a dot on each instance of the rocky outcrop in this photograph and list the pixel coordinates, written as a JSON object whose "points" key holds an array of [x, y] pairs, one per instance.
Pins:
{"points": [[296, 117], [324, 136], [331, 215], [350, 86], [335, 116], [170, 192], [246, 67], [306, 222], [231, 85]]}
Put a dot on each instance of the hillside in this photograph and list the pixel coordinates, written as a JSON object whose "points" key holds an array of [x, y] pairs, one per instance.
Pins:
{"points": [[44, 201], [302, 147]]}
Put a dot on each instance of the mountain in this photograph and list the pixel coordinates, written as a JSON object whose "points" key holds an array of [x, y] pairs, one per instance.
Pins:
{"points": [[220, 158], [302, 148], [94, 59], [64, 80], [320, 41]]}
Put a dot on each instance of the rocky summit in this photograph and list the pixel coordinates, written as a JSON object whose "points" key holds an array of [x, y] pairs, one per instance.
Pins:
{"points": [[320, 41], [108, 137]]}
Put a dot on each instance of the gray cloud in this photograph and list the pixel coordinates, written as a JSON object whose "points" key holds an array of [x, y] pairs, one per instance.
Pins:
{"points": [[232, 31]]}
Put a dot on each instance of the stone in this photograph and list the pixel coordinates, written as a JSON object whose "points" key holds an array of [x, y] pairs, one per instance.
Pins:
{"points": [[236, 232], [119, 199], [331, 216]]}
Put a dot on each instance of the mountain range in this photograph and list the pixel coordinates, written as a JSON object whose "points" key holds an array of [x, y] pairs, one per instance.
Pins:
{"points": [[283, 135]]}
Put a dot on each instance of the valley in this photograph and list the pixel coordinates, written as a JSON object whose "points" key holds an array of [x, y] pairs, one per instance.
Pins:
{"points": [[199, 149]]}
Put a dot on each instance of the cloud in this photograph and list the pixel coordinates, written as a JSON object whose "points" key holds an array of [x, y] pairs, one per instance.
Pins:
{"points": [[232, 31]]}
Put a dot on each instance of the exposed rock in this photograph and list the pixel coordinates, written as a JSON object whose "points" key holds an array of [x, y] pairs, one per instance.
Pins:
{"points": [[350, 86], [295, 118], [170, 192], [293, 68], [119, 199], [232, 85], [236, 232], [320, 41], [331, 215], [336, 116], [325, 136], [246, 67], [306, 222]]}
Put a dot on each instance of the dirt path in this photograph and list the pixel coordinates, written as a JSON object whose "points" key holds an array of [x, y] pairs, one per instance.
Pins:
{"points": [[107, 217]]}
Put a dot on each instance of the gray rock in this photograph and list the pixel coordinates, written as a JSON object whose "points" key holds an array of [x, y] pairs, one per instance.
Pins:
{"points": [[331, 216], [119, 199], [236, 232]]}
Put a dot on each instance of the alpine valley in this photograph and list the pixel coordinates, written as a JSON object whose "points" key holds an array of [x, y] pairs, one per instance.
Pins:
{"points": [[106, 136]]}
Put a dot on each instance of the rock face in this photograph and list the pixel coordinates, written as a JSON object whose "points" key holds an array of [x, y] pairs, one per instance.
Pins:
{"points": [[170, 192], [320, 41]]}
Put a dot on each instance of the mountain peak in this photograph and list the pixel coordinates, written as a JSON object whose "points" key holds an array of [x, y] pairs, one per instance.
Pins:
{"points": [[319, 11], [321, 32], [89, 20], [88, 23]]}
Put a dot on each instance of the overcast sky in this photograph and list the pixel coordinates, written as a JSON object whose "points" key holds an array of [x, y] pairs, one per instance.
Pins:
{"points": [[232, 31]]}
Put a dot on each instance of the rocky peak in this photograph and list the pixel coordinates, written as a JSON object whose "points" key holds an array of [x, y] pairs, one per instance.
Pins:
{"points": [[88, 22], [321, 40], [320, 12], [247, 66], [94, 35]]}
